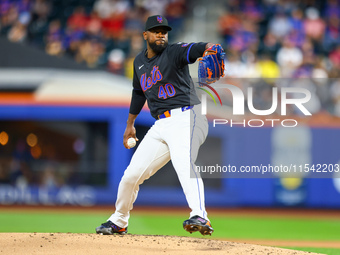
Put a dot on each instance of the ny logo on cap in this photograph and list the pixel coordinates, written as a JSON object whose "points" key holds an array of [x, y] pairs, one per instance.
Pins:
{"points": [[159, 19]]}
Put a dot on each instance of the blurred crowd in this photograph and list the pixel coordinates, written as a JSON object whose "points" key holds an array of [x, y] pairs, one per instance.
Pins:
{"points": [[296, 41], [263, 38], [100, 33]]}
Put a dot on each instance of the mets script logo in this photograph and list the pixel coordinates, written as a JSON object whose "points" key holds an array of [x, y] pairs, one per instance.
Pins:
{"points": [[159, 19], [147, 82], [209, 93]]}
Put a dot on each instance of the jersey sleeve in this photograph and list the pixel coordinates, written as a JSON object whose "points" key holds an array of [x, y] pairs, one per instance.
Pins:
{"points": [[135, 80], [138, 98], [187, 53], [137, 101]]}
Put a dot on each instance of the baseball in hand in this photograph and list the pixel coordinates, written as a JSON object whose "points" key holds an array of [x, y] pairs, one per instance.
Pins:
{"points": [[131, 142]]}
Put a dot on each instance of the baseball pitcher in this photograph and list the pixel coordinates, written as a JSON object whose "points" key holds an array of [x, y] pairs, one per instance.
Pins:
{"points": [[161, 77]]}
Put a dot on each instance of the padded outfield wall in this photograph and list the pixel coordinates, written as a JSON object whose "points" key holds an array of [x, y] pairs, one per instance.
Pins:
{"points": [[237, 146]]}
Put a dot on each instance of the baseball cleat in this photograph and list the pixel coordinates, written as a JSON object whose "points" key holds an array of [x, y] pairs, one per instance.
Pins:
{"points": [[109, 228], [197, 223]]}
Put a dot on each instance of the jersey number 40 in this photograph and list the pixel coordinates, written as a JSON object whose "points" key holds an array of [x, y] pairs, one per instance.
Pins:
{"points": [[166, 91]]}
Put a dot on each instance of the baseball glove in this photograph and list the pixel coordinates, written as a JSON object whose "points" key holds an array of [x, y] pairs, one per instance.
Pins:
{"points": [[211, 65]]}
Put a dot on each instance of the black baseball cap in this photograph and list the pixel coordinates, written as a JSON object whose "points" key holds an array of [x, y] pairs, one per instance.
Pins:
{"points": [[157, 21]]}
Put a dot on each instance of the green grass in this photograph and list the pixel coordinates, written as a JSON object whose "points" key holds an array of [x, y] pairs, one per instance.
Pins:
{"points": [[49, 222], [225, 227], [171, 224], [245, 227], [278, 228]]}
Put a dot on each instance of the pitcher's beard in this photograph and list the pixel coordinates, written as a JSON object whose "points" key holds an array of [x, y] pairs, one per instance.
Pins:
{"points": [[158, 48]]}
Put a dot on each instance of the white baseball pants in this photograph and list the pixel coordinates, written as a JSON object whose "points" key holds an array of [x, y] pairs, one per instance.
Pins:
{"points": [[177, 138]]}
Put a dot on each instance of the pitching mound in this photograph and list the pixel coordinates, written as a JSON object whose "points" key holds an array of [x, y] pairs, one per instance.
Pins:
{"points": [[62, 243]]}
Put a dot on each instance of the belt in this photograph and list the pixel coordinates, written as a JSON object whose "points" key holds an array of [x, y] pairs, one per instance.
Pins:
{"points": [[168, 113]]}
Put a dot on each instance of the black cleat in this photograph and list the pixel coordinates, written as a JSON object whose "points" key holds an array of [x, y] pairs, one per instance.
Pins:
{"points": [[197, 223], [109, 228]]}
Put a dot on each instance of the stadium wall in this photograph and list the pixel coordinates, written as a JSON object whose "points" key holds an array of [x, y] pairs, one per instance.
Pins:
{"points": [[239, 146]]}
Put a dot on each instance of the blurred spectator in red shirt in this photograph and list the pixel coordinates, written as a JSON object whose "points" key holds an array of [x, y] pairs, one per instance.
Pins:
{"points": [[314, 26], [79, 19], [334, 56], [94, 25], [114, 25]]}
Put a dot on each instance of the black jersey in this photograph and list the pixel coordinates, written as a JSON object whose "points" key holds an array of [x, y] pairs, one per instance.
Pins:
{"points": [[165, 79]]}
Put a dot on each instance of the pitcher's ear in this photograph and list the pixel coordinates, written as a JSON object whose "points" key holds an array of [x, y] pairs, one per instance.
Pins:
{"points": [[145, 35]]}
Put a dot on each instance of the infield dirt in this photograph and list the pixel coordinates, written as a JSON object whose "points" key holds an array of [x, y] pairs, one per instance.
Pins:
{"points": [[72, 244]]}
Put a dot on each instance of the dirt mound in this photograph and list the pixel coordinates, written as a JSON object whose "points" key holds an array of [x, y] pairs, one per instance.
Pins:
{"points": [[62, 243]]}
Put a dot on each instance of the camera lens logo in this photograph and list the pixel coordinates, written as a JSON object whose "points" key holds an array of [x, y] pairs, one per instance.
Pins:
{"points": [[209, 93]]}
